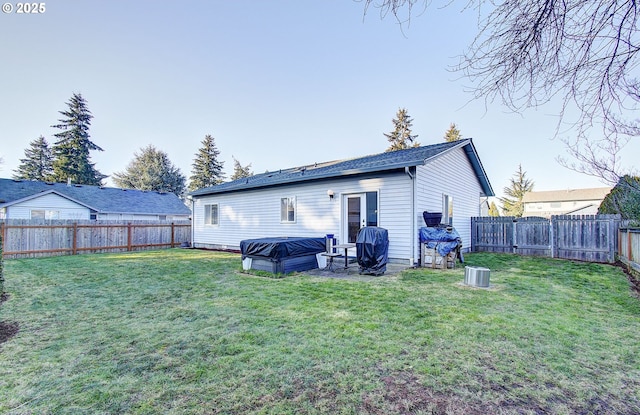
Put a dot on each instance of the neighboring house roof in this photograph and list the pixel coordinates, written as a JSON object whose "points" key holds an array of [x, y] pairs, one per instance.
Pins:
{"points": [[99, 199], [568, 195], [377, 163]]}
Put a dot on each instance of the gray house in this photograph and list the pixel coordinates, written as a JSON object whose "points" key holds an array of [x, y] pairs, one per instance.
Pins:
{"points": [[22, 199], [389, 190]]}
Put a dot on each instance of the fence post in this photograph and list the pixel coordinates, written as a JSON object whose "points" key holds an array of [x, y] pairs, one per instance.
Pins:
{"points": [[514, 236], [552, 237], [1, 260], [473, 233], [74, 248], [613, 249], [629, 250], [128, 236]]}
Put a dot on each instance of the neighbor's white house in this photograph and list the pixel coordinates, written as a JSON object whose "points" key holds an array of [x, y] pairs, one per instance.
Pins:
{"points": [[389, 190], [26, 199], [564, 202]]}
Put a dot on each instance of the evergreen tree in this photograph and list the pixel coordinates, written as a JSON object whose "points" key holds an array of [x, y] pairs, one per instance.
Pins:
{"points": [[240, 171], [512, 204], [452, 134], [493, 209], [400, 138], [207, 169], [151, 169], [38, 162], [71, 152], [623, 199]]}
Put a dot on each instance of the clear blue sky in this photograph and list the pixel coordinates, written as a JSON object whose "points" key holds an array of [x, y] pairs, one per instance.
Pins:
{"points": [[277, 83]]}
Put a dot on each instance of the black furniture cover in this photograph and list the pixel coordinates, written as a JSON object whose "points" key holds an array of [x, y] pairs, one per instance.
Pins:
{"points": [[282, 248], [372, 250]]}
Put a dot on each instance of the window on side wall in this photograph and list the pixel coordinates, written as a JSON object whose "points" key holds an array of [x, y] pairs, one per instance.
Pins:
{"points": [[288, 210], [211, 215], [44, 214], [447, 209]]}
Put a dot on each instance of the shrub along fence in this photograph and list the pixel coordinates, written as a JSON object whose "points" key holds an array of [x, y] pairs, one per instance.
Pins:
{"points": [[28, 238], [592, 238]]}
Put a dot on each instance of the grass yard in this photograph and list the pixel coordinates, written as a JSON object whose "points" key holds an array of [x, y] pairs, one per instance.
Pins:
{"points": [[186, 332]]}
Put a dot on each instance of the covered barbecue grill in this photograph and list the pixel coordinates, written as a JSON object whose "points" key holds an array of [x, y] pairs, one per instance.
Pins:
{"points": [[372, 250]]}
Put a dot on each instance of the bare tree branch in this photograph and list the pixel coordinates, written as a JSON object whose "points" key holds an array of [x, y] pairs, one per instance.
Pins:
{"points": [[583, 53]]}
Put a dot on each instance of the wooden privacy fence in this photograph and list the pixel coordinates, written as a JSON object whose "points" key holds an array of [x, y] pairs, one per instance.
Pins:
{"points": [[592, 238], [28, 238], [629, 246]]}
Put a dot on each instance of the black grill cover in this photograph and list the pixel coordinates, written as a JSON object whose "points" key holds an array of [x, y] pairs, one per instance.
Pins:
{"points": [[372, 250]]}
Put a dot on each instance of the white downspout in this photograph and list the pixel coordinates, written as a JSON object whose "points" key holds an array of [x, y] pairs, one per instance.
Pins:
{"points": [[413, 216]]}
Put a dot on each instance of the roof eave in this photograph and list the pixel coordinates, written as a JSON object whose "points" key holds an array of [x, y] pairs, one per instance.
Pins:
{"points": [[474, 159]]}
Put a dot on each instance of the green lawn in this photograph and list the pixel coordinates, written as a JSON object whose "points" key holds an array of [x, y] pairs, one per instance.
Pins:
{"points": [[186, 332]]}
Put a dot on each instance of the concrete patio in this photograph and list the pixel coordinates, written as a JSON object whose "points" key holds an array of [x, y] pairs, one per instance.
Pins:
{"points": [[353, 271]]}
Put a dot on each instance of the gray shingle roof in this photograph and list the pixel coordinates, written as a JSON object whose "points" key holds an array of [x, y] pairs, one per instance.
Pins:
{"points": [[568, 195], [99, 199], [341, 168]]}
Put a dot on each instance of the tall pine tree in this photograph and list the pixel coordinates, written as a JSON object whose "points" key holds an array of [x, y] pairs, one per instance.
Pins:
{"points": [[493, 209], [72, 160], [38, 162], [512, 204], [207, 169], [240, 171], [401, 138], [452, 134], [151, 169]]}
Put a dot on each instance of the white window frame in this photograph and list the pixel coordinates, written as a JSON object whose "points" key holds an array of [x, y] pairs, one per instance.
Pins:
{"points": [[47, 214], [289, 215], [212, 214]]}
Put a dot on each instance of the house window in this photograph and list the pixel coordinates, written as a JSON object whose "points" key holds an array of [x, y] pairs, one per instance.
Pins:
{"points": [[211, 216], [288, 209], [45, 214], [447, 209]]}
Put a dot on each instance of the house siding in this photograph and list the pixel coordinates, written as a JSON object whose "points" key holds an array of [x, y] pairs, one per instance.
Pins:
{"points": [[451, 174], [256, 213], [547, 209], [66, 208]]}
